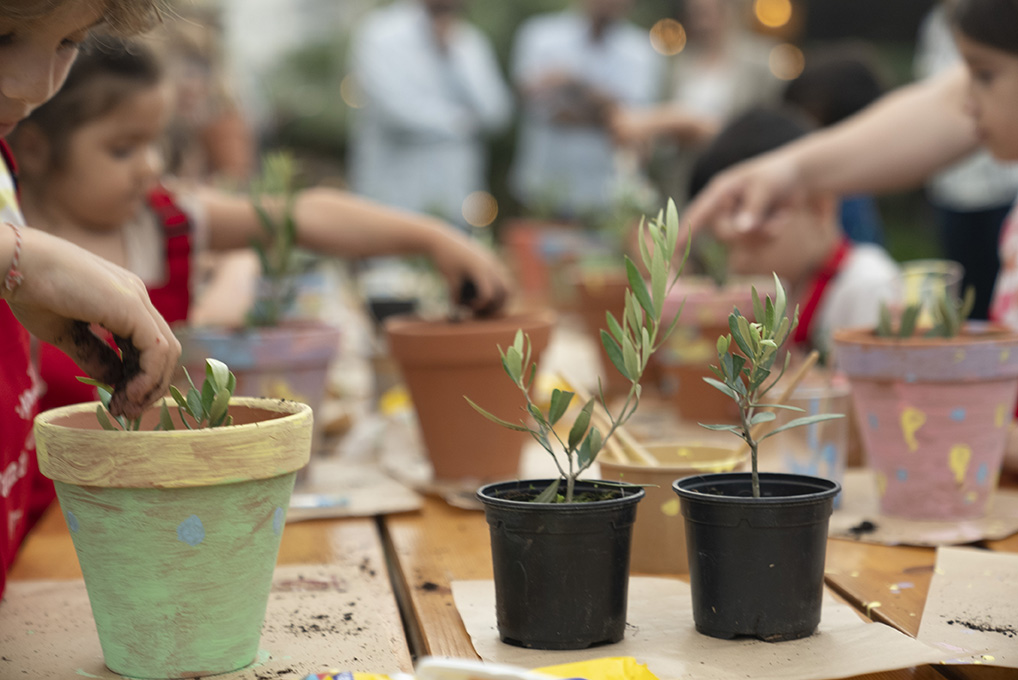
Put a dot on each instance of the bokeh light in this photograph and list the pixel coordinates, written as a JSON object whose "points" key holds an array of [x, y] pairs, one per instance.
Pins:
{"points": [[668, 37], [773, 13], [351, 93], [480, 209], [786, 61]]}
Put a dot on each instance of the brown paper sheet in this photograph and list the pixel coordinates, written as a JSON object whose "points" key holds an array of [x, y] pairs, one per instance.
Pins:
{"points": [[660, 634], [318, 619], [972, 607], [337, 488], [860, 505]]}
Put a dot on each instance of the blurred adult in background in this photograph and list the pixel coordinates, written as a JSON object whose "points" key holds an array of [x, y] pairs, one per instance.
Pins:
{"points": [[837, 82], [432, 92], [573, 69], [722, 71], [972, 198]]}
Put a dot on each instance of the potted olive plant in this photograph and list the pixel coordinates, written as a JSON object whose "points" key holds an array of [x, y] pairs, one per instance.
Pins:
{"points": [[934, 406], [756, 541], [560, 547], [176, 519], [275, 355]]}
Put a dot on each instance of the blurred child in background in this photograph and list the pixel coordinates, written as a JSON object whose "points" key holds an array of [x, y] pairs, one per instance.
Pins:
{"points": [[91, 174], [836, 283]]}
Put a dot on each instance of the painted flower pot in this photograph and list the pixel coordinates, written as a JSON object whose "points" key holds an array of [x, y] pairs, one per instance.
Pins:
{"points": [[177, 532], [444, 361], [659, 535], [289, 361], [561, 569], [934, 416], [756, 565], [689, 352]]}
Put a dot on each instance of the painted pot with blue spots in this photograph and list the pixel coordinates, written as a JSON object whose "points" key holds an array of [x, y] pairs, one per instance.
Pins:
{"points": [[177, 532], [934, 414]]}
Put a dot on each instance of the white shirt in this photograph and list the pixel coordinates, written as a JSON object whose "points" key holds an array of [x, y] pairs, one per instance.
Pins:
{"points": [[867, 277], [574, 168], [418, 141]]}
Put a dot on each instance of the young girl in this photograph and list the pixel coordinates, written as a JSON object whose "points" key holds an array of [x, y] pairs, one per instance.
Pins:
{"points": [[898, 143], [52, 287], [90, 174]]}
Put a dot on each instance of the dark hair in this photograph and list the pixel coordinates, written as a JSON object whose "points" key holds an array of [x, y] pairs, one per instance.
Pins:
{"points": [[991, 22], [103, 76], [756, 131], [834, 84]]}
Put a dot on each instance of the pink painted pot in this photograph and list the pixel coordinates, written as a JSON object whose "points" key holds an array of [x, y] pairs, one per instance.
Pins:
{"points": [[933, 415]]}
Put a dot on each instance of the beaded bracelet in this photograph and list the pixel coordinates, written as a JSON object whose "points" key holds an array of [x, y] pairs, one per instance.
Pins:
{"points": [[14, 275]]}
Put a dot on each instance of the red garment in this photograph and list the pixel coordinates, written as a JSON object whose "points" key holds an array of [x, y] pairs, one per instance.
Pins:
{"points": [[817, 288], [172, 299], [18, 467]]}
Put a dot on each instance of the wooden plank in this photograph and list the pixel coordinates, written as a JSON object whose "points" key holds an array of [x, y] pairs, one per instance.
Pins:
{"points": [[430, 550], [351, 545]]}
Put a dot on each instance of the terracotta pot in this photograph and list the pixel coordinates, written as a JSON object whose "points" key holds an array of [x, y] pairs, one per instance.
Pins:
{"points": [[177, 532], [539, 254], [934, 415], [687, 356], [444, 361], [659, 535]]}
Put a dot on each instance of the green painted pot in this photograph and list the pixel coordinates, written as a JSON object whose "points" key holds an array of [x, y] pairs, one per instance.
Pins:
{"points": [[177, 532]]}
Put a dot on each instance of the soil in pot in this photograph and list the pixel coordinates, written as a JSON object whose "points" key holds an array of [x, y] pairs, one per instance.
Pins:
{"points": [[561, 569], [659, 535], [444, 361], [756, 565]]}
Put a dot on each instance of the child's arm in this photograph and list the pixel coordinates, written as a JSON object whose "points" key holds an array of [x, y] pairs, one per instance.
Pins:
{"points": [[64, 288], [893, 144], [340, 224]]}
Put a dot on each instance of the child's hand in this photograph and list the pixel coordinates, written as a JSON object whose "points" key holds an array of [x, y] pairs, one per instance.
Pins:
{"points": [[66, 288], [475, 276]]}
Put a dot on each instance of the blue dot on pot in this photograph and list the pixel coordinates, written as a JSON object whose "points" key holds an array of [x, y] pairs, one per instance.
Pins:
{"points": [[901, 474], [873, 421], [72, 521], [958, 415], [982, 474], [278, 520], [191, 531]]}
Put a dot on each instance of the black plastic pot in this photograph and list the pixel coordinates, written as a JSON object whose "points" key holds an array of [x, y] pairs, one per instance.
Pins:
{"points": [[756, 565], [561, 569]]}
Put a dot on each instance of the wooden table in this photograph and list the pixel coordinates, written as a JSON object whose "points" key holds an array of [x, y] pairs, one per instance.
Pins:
{"points": [[411, 559]]}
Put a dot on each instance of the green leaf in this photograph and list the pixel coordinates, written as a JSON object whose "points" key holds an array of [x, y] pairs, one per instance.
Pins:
{"points": [[658, 282], [560, 401], [762, 417], [194, 405], [165, 421], [218, 409], [579, 428], [218, 373], [178, 397], [737, 429], [614, 327], [614, 352], [639, 288], [208, 394], [630, 359], [758, 308], [93, 382], [513, 363], [549, 494], [723, 387], [798, 422], [104, 421], [909, 319], [495, 419], [740, 330], [884, 322], [589, 449]]}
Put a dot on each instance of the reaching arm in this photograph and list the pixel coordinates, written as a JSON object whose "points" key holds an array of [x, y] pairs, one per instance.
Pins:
{"points": [[893, 144], [66, 288], [343, 225]]}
